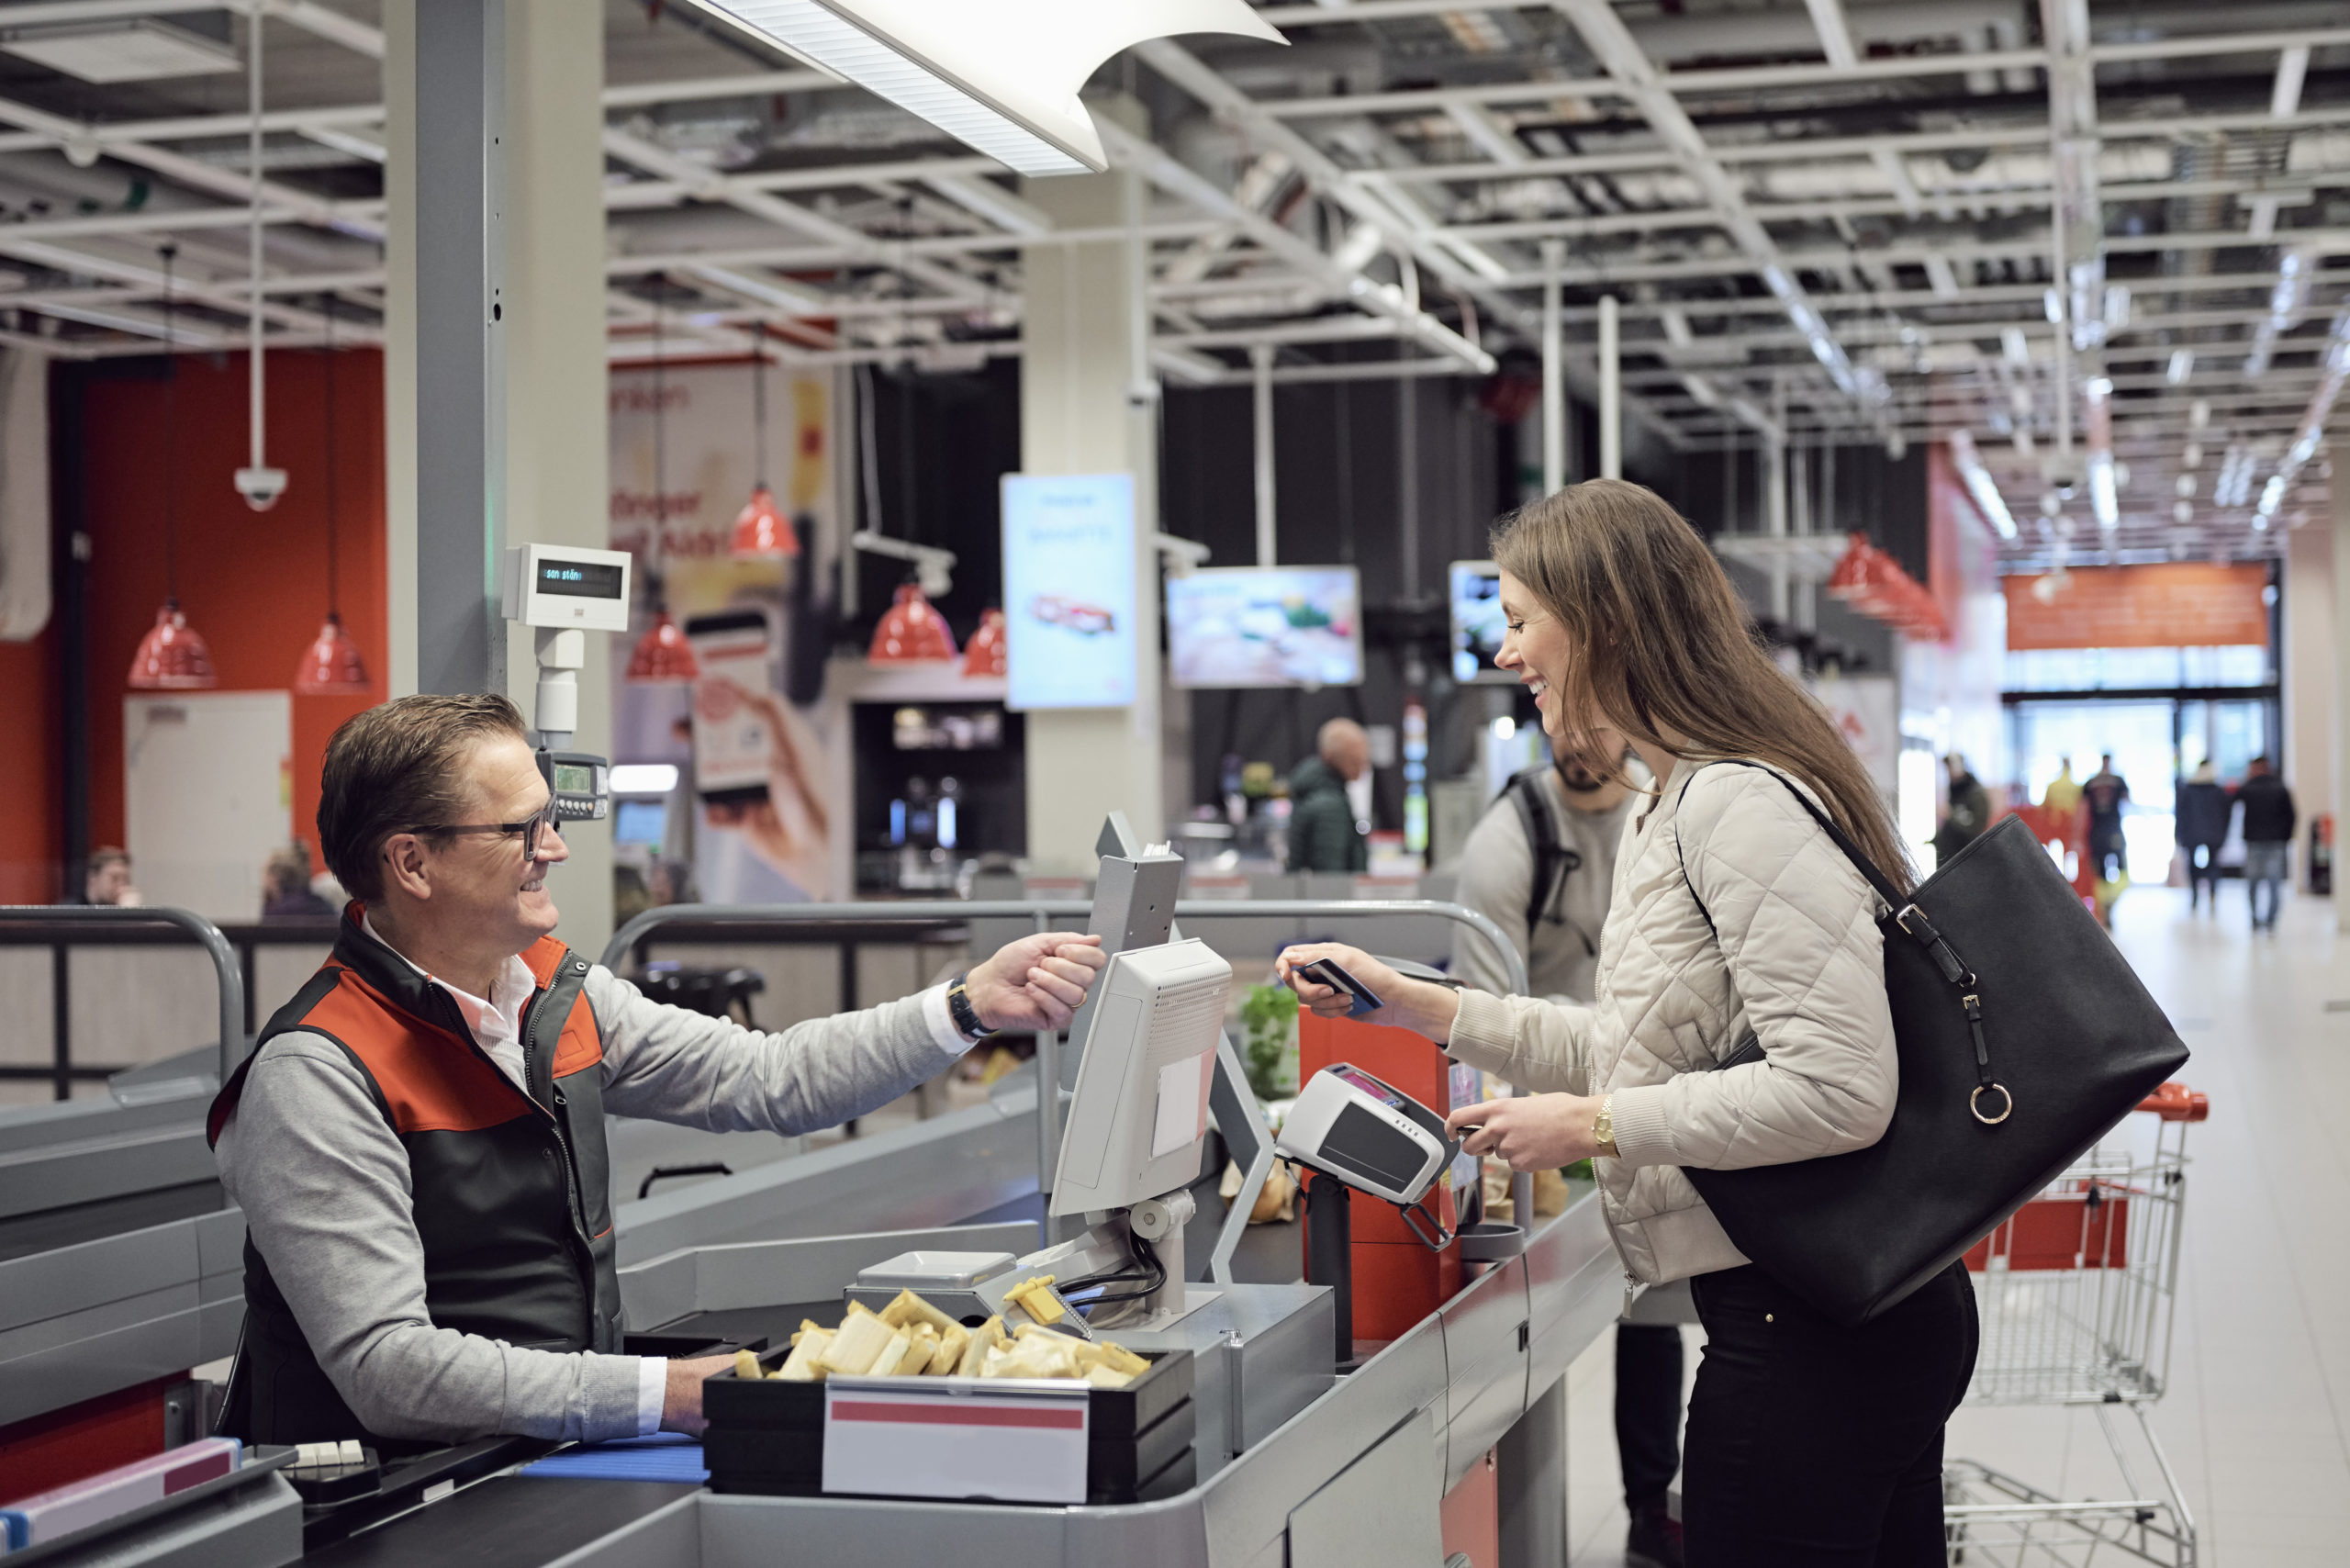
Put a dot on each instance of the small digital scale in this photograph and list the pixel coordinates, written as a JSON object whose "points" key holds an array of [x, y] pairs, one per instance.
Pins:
{"points": [[1367, 1134], [581, 783]]}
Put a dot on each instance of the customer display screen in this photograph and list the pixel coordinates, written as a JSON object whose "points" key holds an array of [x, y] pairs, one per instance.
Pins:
{"points": [[1357, 1079], [575, 778], [1477, 623], [580, 579], [640, 821]]}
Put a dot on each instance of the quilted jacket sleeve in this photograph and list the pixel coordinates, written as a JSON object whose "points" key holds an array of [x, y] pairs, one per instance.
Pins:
{"points": [[1797, 930], [1541, 1046]]}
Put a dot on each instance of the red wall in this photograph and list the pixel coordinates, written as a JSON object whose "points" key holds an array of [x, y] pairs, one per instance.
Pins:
{"points": [[31, 833], [253, 582]]}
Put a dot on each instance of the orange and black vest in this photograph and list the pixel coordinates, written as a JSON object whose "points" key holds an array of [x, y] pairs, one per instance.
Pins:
{"points": [[510, 1190]]}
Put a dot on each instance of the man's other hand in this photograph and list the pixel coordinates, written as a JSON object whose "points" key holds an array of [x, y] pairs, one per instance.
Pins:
{"points": [[681, 1401], [1035, 982]]}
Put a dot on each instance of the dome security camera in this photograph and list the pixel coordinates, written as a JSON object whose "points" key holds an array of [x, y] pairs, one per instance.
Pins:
{"points": [[261, 487]]}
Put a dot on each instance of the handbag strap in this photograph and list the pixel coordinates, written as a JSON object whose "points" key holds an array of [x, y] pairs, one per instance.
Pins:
{"points": [[1906, 914]]}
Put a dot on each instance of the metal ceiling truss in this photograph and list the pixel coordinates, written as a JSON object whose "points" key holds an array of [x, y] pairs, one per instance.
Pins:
{"points": [[1852, 215]]}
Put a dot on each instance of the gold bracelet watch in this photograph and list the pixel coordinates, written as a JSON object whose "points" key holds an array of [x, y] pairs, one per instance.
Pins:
{"points": [[1603, 1126]]}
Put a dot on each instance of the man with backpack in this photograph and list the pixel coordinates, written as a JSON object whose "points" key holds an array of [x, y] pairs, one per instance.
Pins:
{"points": [[1540, 865]]}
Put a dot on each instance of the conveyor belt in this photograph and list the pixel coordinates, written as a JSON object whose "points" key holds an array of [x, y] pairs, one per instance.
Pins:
{"points": [[504, 1522]]}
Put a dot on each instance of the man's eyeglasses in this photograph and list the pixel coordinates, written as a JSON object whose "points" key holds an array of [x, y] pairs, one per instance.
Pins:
{"points": [[528, 827]]}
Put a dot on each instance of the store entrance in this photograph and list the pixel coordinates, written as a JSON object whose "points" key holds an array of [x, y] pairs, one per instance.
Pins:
{"points": [[2155, 743]]}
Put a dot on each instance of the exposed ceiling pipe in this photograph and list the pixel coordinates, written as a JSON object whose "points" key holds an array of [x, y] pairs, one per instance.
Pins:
{"points": [[259, 483]]}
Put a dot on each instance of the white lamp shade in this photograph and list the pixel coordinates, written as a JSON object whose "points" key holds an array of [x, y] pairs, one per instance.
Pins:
{"points": [[1000, 75]]}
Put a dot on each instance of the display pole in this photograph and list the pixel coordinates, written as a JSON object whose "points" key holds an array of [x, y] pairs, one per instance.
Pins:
{"points": [[1554, 381], [1261, 364], [459, 179], [1611, 391]]}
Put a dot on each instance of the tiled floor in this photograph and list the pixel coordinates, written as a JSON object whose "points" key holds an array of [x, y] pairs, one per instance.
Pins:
{"points": [[2256, 1422]]}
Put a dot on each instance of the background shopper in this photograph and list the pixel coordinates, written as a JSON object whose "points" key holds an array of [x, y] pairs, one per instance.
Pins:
{"points": [[2105, 793], [108, 879], [1969, 812], [1323, 833], [2204, 807], [2268, 822], [1541, 865], [1809, 1443]]}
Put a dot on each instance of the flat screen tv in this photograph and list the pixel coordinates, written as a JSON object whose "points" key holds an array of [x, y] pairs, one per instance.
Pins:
{"points": [[1265, 626], [1476, 595]]}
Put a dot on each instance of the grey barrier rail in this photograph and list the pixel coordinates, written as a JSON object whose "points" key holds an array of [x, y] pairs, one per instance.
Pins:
{"points": [[63, 927]]}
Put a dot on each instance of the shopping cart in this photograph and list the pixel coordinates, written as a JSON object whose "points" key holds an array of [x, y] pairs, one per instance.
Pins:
{"points": [[2077, 1293]]}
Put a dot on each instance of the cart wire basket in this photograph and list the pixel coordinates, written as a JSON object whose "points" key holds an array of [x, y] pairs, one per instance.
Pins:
{"points": [[2075, 1294]]}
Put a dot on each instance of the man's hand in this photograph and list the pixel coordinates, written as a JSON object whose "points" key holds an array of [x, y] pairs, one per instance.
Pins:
{"points": [[1417, 1006], [681, 1403], [1037, 982], [1534, 1132]]}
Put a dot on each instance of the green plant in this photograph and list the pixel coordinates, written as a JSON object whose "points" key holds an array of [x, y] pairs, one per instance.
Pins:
{"points": [[1269, 1015]]}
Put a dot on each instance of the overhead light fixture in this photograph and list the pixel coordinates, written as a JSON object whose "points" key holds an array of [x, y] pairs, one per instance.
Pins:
{"points": [[2182, 365], [331, 665], [2336, 363], [173, 655], [140, 49], [1980, 485], [2104, 502], [2182, 512], [910, 630], [2013, 345], [1004, 77], [761, 530], [662, 656], [644, 777]]}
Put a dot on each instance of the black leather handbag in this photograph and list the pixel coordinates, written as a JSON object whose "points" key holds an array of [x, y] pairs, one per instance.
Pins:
{"points": [[2024, 1037]]}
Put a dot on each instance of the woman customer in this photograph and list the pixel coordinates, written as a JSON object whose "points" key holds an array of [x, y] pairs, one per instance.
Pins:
{"points": [[1733, 913]]}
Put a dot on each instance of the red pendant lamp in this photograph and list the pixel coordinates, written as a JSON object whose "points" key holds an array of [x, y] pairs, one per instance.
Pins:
{"points": [[331, 665], [761, 530], [987, 653], [173, 655], [663, 657], [911, 631]]}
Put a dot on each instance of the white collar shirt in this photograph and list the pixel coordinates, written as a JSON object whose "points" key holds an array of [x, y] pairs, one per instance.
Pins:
{"points": [[497, 1023]]}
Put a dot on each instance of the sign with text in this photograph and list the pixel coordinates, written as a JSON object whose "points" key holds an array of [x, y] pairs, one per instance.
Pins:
{"points": [[1068, 589], [1014, 1440], [2182, 604]]}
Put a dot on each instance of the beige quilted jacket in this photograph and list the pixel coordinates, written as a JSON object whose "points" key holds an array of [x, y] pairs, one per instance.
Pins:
{"points": [[1799, 962]]}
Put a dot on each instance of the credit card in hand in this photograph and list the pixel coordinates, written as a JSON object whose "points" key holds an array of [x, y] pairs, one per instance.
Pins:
{"points": [[1325, 971]]}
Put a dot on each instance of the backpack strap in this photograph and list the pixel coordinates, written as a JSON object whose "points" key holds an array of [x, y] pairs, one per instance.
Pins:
{"points": [[1553, 861]]}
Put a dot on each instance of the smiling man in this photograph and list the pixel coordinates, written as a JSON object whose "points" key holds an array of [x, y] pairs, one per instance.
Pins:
{"points": [[418, 1142]]}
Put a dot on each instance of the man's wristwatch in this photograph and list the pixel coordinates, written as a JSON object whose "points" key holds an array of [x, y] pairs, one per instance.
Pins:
{"points": [[966, 1016], [1603, 1126]]}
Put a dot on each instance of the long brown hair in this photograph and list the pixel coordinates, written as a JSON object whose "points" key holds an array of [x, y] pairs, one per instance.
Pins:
{"points": [[1661, 643]]}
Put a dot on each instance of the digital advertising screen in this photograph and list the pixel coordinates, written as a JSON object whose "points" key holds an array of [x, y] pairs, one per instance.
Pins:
{"points": [[1068, 589], [1265, 626], [1477, 625]]}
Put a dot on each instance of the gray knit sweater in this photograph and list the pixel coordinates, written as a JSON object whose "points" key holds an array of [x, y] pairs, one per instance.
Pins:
{"points": [[324, 1184]]}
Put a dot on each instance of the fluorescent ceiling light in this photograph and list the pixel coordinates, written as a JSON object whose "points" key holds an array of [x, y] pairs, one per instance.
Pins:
{"points": [[1979, 486], [1001, 77], [141, 50], [644, 777], [2182, 365]]}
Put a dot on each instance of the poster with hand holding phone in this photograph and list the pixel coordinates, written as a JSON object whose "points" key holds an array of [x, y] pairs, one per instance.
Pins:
{"points": [[752, 819]]}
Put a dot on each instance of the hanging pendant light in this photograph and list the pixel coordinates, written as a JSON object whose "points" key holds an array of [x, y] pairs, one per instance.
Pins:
{"points": [[911, 631], [331, 665], [988, 652], [663, 656], [173, 655], [761, 530]]}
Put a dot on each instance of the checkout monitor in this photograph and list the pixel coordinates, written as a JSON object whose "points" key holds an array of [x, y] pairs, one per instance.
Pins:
{"points": [[1141, 1110]]}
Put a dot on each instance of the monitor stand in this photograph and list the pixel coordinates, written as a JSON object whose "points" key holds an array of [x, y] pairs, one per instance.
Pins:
{"points": [[1108, 1246]]}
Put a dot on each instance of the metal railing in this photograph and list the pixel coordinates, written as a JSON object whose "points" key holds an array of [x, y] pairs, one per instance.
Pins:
{"points": [[74, 925]]}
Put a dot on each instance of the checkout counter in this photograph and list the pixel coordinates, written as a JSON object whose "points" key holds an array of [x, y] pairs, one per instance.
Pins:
{"points": [[1450, 1439]]}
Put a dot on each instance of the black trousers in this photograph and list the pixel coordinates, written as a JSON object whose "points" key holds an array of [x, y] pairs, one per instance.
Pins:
{"points": [[1812, 1445], [1647, 1410]]}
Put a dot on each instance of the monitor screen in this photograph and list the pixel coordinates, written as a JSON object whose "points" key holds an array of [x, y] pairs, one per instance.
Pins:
{"points": [[1477, 621], [1068, 589], [580, 579], [1265, 626], [640, 821]]}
